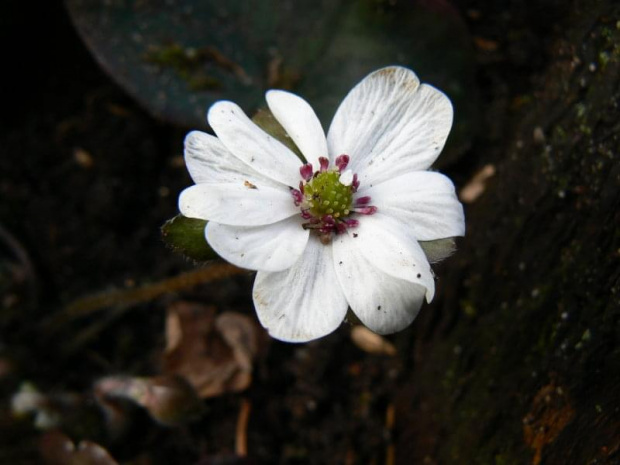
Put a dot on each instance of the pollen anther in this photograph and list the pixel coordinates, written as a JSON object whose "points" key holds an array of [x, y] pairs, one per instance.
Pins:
{"points": [[326, 198]]}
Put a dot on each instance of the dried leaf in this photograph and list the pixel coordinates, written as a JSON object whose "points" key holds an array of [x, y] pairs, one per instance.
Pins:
{"points": [[240, 334], [170, 400], [57, 449], [370, 342], [174, 332], [214, 353]]}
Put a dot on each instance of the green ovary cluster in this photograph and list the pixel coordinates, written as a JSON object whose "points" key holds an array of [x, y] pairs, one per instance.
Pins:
{"points": [[324, 195]]}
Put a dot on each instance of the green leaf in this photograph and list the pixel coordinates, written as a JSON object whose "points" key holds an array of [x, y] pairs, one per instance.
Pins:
{"points": [[187, 236], [428, 37], [177, 58]]}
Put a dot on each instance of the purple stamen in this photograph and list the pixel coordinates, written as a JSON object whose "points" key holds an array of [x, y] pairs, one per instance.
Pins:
{"points": [[326, 225], [342, 162], [298, 197], [362, 200], [324, 162], [328, 219], [306, 171], [370, 210]]}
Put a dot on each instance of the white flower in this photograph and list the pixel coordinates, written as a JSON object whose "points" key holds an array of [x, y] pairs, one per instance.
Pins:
{"points": [[342, 230]]}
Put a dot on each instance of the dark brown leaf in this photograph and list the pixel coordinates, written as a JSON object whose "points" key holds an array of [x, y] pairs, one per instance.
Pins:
{"points": [[214, 353]]}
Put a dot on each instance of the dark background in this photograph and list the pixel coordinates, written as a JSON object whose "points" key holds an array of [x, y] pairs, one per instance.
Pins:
{"points": [[515, 362]]}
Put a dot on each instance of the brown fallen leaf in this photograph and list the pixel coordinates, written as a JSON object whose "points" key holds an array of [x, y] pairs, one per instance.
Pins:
{"points": [[370, 342], [57, 449], [169, 399], [215, 353]]}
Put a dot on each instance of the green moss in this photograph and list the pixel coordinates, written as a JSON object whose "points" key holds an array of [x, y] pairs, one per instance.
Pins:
{"points": [[203, 82], [468, 308], [173, 56], [603, 59], [188, 63]]}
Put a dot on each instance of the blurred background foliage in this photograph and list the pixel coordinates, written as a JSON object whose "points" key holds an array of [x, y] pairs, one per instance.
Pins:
{"points": [[178, 57]]}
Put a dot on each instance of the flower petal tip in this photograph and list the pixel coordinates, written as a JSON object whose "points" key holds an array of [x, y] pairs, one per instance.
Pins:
{"points": [[346, 178]]}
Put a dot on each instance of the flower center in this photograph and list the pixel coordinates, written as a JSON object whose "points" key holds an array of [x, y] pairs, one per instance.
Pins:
{"points": [[327, 198], [324, 195]]}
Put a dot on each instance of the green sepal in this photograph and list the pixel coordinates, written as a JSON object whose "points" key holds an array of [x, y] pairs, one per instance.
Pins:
{"points": [[439, 249], [265, 120], [187, 236]]}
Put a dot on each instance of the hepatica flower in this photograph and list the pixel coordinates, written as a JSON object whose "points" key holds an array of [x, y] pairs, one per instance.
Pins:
{"points": [[342, 229]]}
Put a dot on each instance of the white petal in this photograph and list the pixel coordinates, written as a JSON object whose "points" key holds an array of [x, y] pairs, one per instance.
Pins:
{"points": [[252, 145], [346, 178], [304, 302], [209, 161], [424, 200], [236, 204], [389, 245], [300, 122], [273, 247], [383, 303], [389, 124]]}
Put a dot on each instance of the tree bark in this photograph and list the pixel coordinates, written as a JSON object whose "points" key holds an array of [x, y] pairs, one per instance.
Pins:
{"points": [[520, 363]]}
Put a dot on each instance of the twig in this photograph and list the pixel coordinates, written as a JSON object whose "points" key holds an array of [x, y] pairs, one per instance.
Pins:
{"points": [[87, 305], [390, 419], [241, 436]]}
